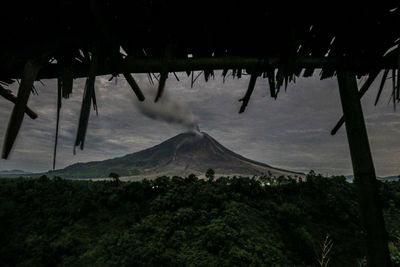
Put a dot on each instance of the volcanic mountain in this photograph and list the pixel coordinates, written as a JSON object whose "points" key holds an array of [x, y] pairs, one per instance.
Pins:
{"points": [[181, 155]]}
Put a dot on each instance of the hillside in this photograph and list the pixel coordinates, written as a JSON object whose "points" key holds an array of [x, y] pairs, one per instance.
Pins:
{"points": [[182, 155], [185, 222]]}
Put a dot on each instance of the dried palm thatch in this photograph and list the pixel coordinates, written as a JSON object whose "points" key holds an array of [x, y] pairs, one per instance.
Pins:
{"points": [[261, 38], [278, 40]]}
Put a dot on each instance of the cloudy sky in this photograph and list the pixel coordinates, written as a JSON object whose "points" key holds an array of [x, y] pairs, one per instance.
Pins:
{"points": [[291, 132]]}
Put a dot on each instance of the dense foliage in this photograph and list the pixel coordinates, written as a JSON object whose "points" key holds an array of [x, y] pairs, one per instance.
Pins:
{"points": [[185, 222]]}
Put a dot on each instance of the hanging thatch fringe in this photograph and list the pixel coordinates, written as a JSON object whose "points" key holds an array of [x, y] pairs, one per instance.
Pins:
{"points": [[161, 85], [207, 74], [279, 80], [67, 78], [250, 89], [30, 73], [176, 76], [383, 81], [224, 72], [394, 88], [194, 79], [155, 77], [271, 82], [59, 95], [371, 78], [12, 98], [33, 90], [164, 72], [94, 101], [308, 72], [5, 81], [87, 98], [234, 73], [398, 74], [286, 82], [135, 87], [150, 79]]}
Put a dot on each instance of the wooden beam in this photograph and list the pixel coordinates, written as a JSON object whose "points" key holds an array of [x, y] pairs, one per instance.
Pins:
{"points": [[364, 172]]}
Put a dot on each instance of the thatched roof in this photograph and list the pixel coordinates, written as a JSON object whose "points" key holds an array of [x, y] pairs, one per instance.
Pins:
{"points": [[278, 41], [149, 29]]}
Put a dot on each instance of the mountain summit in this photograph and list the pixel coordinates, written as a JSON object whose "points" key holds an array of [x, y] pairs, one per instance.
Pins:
{"points": [[183, 154]]}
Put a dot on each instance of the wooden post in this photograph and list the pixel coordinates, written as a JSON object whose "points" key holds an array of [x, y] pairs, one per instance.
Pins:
{"points": [[364, 172]]}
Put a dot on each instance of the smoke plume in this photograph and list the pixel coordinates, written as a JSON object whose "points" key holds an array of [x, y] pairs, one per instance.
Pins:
{"points": [[168, 110]]}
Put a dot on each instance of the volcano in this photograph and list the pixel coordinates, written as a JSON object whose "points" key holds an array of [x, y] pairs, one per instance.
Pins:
{"points": [[181, 155]]}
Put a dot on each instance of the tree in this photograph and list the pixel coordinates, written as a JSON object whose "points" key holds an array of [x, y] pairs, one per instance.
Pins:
{"points": [[210, 174], [192, 177], [115, 177]]}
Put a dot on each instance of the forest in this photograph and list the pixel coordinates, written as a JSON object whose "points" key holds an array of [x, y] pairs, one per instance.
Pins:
{"points": [[174, 221]]}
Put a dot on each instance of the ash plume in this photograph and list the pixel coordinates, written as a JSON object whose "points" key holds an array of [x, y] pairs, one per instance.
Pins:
{"points": [[168, 110]]}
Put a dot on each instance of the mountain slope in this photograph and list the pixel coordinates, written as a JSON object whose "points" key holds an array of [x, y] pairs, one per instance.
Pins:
{"points": [[180, 155]]}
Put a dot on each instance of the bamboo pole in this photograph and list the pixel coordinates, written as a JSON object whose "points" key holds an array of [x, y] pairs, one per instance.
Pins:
{"points": [[364, 172]]}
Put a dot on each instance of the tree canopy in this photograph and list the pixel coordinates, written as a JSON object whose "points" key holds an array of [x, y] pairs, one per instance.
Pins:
{"points": [[176, 221]]}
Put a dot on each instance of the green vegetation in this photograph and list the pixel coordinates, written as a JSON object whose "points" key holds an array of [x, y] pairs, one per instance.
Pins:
{"points": [[210, 174], [186, 222]]}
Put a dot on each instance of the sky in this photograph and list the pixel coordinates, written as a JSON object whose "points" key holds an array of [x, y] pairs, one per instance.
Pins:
{"points": [[291, 132]]}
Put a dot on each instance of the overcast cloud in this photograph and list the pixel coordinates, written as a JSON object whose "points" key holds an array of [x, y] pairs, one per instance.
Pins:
{"points": [[291, 132]]}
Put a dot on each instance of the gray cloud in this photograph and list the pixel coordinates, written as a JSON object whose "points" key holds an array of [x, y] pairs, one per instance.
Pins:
{"points": [[290, 132], [168, 110]]}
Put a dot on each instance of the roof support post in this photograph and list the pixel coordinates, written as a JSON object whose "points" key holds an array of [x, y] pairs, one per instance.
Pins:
{"points": [[364, 172]]}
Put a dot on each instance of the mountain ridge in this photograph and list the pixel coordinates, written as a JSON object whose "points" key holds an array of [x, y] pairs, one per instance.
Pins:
{"points": [[185, 153]]}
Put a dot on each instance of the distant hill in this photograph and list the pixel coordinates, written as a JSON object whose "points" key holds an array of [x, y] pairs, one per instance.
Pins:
{"points": [[12, 173], [394, 178], [390, 178], [182, 155]]}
